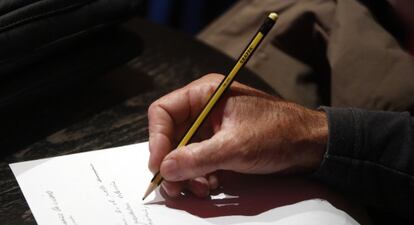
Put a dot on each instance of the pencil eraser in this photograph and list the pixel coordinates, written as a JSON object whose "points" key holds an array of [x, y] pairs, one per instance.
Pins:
{"points": [[273, 16]]}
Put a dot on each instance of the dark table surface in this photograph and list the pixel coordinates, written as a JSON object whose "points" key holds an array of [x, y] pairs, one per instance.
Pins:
{"points": [[133, 64]]}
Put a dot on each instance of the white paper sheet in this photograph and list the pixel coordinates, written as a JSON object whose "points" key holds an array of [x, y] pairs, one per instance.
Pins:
{"points": [[106, 187]]}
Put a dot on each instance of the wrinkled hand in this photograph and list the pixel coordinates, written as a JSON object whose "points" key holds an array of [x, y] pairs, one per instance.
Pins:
{"points": [[248, 132]]}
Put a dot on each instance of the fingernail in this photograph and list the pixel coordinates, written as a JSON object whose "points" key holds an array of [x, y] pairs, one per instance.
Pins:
{"points": [[199, 187], [169, 190], [213, 182], [169, 167]]}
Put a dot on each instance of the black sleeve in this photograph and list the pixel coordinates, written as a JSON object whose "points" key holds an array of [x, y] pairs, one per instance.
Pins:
{"points": [[371, 156]]}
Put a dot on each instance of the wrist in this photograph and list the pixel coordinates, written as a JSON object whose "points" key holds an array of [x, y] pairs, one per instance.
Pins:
{"points": [[314, 140], [319, 137]]}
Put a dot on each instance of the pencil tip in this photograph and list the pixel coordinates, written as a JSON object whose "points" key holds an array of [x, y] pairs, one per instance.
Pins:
{"points": [[150, 189]]}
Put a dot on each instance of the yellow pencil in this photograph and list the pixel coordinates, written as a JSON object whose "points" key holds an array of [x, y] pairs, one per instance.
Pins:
{"points": [[244, 57]]}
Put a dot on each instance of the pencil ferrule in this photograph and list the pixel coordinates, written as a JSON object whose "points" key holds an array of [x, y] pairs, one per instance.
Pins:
{"points": [[267, 26]]}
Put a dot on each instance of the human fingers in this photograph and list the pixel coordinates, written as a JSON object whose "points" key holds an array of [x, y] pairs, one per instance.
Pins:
{"points": [[198, 159], [173, 189], [198, 186], [173, 113]]}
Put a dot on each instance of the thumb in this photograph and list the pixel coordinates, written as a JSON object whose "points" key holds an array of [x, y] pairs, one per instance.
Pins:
{"points": [[196, 159]]}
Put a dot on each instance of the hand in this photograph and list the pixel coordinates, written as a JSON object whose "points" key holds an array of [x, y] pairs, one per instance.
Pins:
{"points": [[248, 132]]}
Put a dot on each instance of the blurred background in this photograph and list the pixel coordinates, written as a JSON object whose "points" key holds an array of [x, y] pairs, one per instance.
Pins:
{"points": [[189, 16]]}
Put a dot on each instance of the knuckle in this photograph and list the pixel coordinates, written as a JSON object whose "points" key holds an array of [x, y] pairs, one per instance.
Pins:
{"points": [[196, 162], [213, 78], [152, 109]]}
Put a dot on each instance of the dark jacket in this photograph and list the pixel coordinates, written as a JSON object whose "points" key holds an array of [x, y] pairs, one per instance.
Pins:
{"points": [[370, 155]]}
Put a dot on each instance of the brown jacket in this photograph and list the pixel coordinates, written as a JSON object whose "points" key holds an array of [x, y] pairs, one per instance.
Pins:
{"points": [[322, 52]]}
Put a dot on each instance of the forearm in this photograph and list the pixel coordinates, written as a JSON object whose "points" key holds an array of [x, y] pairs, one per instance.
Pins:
{"points": [[371, 154]]}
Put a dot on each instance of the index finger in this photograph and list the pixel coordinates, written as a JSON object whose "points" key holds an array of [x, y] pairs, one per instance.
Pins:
{"points": [[169, 116], [163, 117]]}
